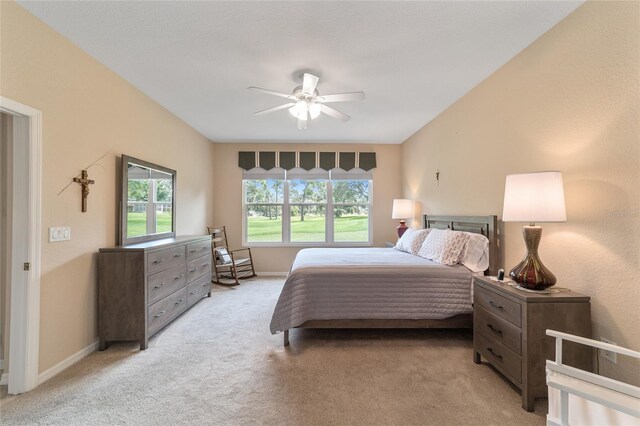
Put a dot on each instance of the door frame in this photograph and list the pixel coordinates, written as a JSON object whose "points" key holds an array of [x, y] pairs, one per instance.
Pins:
{"points": [[24, 334]]}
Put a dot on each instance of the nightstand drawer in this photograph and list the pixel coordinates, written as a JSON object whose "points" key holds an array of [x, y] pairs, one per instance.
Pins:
{"points": [[502, 330], [498, 305], [499, 356]]}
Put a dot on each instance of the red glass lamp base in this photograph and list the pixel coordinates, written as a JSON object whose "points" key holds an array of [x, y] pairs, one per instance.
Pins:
{"points": [[401, 228], [530, 272]]}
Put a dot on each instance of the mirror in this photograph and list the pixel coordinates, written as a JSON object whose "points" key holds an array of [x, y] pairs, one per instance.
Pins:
{"points": [[147, 202]]}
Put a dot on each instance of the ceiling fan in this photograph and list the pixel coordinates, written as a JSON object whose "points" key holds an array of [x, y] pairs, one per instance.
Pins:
{"points": [[307, 104]]}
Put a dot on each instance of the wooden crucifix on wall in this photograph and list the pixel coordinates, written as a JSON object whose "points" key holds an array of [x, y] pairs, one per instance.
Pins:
{"points": [[84, 181]]}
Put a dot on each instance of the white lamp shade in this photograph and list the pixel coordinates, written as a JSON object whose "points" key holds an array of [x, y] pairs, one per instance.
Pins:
{"points": [[534, 197], [402, 209]]}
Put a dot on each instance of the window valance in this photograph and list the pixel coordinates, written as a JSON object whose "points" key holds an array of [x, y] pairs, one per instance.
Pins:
{"points": [[288, 160]]}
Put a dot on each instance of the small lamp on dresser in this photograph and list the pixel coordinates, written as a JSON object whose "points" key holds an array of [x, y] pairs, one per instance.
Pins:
{"points": [[533, 197], [402, 209]]}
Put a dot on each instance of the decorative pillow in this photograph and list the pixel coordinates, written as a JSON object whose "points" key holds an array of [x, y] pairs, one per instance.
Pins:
{"points": [[444, 246], [476, 254], [412, 240]]}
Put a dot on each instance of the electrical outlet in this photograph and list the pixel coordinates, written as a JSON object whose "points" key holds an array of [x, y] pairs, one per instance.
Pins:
{"points": [[608, 355]]}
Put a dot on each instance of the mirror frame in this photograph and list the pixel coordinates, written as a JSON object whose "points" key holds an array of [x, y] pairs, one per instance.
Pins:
{"points": [[124, 192]]}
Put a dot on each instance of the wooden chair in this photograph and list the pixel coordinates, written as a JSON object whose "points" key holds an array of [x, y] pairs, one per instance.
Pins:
{"points": [[227, 266]]}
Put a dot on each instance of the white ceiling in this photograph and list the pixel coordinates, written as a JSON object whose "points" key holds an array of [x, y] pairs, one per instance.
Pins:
{"points": [[412, 59]]}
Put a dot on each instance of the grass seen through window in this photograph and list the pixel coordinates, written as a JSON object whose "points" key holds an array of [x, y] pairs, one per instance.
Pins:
{"points": [[346, 228]]}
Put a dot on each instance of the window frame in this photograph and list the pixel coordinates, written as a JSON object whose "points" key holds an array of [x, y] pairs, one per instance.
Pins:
{"points": [[286, 217]]}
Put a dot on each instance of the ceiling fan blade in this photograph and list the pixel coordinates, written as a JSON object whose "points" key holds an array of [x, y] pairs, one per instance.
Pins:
{"points": [[309, 83], [271, 92], [278, 108], [302, 124], [334, 113], [342, 97]]}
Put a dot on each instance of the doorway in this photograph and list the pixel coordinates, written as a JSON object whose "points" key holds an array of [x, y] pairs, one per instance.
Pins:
{"points": [[20, 186], [6, 143]]}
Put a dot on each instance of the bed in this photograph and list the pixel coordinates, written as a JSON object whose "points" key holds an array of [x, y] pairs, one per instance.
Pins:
{"points": [[381, 287]]}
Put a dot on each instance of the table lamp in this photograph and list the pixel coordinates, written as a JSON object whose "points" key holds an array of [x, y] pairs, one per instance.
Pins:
{"points": [[533, 197], [402, 209]]}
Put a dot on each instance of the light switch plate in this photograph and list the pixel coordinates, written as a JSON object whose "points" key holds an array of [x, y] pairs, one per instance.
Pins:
{"points": [[59, 233]]}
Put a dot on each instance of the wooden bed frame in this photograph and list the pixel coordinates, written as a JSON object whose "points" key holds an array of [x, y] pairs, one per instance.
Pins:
{"points": [[485, 225]]}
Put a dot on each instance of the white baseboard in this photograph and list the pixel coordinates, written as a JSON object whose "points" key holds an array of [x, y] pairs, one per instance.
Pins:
{"points": [[271, 274], [4, 379], [64, 364]]}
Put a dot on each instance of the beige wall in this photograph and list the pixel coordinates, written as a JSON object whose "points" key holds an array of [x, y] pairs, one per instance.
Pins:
{"points": [[568, 102], [89, 111], [228, 195]]}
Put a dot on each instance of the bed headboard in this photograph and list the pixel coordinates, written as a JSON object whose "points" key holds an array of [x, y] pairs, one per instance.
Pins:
{"points": [[485, 225]]}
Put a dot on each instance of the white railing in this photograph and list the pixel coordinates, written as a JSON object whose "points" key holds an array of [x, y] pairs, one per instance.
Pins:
{"points": [[584, 388]]}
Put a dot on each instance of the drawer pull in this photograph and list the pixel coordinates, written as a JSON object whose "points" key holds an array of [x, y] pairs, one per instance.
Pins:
{"points": [[177, 277], [177, 255], [193, 292], [158, 286], [192, 251], [495, 305], [193, 270], [495, 330], [160, 314], [205, 264], [179, 302], [494, 354], [158, 261]]}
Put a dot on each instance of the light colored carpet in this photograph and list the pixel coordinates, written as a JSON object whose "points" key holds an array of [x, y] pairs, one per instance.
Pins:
{"points": [[218, 364]]}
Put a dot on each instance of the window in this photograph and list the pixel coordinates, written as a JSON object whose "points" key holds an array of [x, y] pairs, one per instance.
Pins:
{"points": [[308, 208], [264, 204], [306, 211], [351, 210]]}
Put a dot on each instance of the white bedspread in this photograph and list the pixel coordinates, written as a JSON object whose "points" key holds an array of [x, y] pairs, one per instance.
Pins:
{"points": [[369, 283]]}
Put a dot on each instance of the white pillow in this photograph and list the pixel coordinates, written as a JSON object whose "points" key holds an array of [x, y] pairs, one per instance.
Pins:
{"points": [[412, 240], [476, 254], [444, 246]]}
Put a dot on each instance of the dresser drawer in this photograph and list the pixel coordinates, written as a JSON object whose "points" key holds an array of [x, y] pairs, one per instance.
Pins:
{"points": [[162, 312], [197, 290], [499, 356], [163, 259], [198, 267], [165, 282], [498, 305], [198, 249], [503, 331]]}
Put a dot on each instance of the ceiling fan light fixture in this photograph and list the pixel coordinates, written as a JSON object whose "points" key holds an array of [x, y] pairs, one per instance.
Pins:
{"points": [[304, 107], [300, 110], [314, 110]]}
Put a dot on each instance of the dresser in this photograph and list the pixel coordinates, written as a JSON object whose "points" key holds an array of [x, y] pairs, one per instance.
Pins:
{"points": [[509, 332], [143, 287]]}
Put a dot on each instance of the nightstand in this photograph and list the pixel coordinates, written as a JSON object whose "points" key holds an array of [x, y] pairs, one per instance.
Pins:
{"points": [[509, 332]]}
